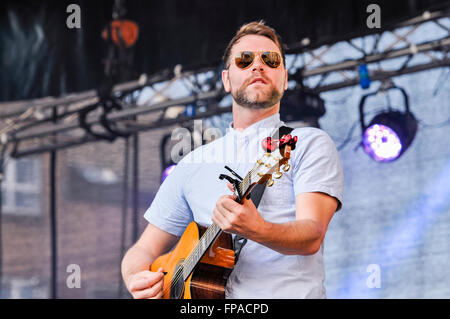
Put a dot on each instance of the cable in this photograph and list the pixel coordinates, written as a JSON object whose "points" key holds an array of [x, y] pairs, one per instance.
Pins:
{"points": [[349, 136], [53, 223], [124, 211], [436, 125], [341, 100], [135, 186], [440, 82], [2, 166]]}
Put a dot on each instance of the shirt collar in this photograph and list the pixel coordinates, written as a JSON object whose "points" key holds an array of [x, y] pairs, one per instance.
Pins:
{"points": [[266, 123]]}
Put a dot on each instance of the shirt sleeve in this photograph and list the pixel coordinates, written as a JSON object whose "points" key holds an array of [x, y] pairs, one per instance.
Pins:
{"points": [[317, 167], [169, 209]]}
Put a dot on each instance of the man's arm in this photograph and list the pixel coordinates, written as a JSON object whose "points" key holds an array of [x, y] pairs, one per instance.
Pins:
{"points": [[300, 237], [304, 235], [139, 280]]}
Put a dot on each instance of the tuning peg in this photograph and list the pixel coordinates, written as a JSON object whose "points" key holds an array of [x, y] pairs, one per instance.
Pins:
{"points": [[286, 167], [269, 182], [277, 174]]}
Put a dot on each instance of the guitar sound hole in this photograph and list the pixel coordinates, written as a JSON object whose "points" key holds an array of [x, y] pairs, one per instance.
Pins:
{"points": [[177, 284]]}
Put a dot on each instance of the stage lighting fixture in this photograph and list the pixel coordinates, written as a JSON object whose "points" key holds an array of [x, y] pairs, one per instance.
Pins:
{"points": [[166, 162], [166, 172], [301, 104], [390, 133]]}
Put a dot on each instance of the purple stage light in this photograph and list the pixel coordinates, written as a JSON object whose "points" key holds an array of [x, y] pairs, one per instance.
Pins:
{"points": [[167, 172], [391, 132], [381, 143]]}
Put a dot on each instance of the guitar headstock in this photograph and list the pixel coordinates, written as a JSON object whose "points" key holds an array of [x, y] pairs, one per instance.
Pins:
{"points": [[275, 158], [270, 163]]}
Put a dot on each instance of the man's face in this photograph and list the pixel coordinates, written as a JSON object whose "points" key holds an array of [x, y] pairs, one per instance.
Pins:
{"points": [[246, 89]]}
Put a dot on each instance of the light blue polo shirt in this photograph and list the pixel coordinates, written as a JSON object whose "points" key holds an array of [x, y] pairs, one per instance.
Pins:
{"points": [[191, 191]]}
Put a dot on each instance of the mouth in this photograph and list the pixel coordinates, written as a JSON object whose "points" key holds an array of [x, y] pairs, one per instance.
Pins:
{"points": [[258, 80]]}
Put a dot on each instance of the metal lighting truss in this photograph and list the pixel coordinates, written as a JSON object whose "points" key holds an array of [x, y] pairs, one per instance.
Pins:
{"points": [[41, 125], [435, 51]]}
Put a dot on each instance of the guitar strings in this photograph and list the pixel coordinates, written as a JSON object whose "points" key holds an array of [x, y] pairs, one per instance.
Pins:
{"points": [[188, 260], [195, 252]]}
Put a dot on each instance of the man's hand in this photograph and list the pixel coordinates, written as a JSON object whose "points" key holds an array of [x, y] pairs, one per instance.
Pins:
{"points": [[302, 236], [241, 219], [147, 284]]}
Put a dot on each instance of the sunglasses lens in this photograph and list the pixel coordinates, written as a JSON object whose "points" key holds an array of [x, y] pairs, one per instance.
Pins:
{"points": [[244, 60], [272, 59]]}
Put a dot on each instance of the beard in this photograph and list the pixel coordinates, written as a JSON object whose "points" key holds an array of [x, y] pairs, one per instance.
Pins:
{"points": [[260, 100]]}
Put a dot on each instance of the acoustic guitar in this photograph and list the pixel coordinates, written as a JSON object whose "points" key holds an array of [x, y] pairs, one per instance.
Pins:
{"points": [[202, 260]]}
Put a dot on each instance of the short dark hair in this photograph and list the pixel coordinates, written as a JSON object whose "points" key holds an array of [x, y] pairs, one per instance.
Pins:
{"points": [[257, 28]]}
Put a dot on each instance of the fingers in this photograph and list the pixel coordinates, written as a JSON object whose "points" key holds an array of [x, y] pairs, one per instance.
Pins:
{"points": [[228, 203], [225, 207], [145, 279], [147, 284], [220, 220], [228, 221], [154, 292]]}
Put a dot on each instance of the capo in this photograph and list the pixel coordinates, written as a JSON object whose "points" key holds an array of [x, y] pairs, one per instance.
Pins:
{"points": [[234, 173], [234, 182]]}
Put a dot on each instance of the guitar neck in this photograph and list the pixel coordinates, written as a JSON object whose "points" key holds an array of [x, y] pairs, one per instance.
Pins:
{"points": [[199, 250], [211, 234], [244, 185]]}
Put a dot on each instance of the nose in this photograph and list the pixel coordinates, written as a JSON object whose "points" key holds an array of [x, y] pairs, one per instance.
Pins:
{"points": [[258, 65]]}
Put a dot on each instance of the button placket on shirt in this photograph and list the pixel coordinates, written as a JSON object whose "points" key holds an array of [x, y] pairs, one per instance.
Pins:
{"points": [[241, 157], [241, 148]]}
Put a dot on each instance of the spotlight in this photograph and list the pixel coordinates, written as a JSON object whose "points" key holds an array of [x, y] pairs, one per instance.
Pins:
{"points": [[166, 172], [301, 104], [166, 162], [390, 133]]}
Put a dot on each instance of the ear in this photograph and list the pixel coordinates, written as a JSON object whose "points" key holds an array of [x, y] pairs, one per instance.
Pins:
{"points": [[286, 80], [226, 81]]}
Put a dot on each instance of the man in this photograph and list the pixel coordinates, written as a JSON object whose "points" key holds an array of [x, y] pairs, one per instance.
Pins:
{"points": [[283, 257]]}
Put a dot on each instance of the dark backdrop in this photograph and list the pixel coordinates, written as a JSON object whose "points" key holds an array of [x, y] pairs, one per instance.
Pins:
{"points": [[40, 56]]}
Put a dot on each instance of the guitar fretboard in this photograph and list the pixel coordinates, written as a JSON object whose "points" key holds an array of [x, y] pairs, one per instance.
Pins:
{"points": [[199, 250], [210, 235], [246, 182]]}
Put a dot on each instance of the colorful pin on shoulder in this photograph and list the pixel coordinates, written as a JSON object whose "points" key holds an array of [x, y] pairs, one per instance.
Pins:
{"points": [[269, 144]]}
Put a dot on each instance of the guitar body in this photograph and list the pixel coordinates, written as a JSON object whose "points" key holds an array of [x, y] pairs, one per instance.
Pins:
{"points": [[209, 277]]}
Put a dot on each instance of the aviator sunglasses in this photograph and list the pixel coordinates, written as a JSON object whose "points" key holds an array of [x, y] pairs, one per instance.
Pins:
{"points": [[246, 58]]}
